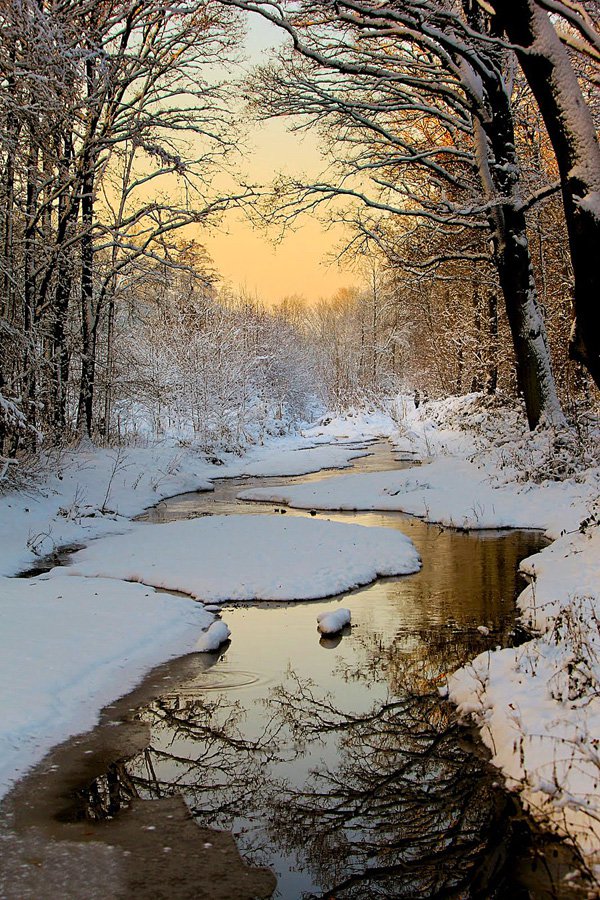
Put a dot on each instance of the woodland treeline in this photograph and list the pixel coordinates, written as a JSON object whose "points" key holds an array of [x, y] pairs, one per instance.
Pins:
{"points": [[462, 156]]}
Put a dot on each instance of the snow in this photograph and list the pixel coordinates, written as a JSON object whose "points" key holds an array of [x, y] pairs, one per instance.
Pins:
{"points": [[570, 567], [89, 492], [332, 621], [211, 639], [302, 462], [538, 706], [238, 557], [451, 491], [72, 645]]}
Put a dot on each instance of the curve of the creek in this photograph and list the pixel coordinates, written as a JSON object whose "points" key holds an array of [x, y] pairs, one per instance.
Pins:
{"points": [[332, 763]]}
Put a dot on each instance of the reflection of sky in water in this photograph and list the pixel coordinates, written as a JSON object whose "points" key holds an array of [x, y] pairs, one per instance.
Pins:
{"points": [[406, 631]]}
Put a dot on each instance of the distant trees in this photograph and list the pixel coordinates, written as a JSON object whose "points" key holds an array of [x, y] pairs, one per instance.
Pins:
{"points": [[356, 340], [452, 130], [211, 366]]}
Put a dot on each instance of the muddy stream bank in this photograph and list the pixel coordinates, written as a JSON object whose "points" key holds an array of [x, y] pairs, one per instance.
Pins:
{"points": [[333, 764]]}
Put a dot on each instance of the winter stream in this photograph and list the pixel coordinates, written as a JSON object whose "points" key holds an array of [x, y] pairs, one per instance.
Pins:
{"points": [[334, 761]]}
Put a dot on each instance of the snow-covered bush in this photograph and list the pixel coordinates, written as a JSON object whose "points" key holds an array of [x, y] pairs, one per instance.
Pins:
{"points": [[220, 373]]}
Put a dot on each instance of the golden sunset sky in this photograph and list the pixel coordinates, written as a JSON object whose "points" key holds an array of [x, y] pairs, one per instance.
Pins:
{"points": [[245, 256]]}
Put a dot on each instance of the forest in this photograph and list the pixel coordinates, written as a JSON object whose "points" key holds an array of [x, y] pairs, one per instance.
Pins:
{"points": [[463, 164], [390, 487]]}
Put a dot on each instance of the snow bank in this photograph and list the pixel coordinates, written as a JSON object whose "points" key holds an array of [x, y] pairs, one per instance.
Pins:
{"points": [[447, 490], [302, 461], [333, 621], [89, 492], [211, 639], [69, 647], [568, 568], [218, 558], [538, 705]]}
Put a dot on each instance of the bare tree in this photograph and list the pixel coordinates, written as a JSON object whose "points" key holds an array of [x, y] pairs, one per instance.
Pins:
{"points": [[542, 51], [416, 103], [114, 99]]}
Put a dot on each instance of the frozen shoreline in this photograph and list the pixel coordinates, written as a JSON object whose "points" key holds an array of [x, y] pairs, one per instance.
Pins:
{"points": [[70, 644], [537, 706]]}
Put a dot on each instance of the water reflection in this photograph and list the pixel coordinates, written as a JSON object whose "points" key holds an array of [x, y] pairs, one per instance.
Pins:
{"points": [[389, 801], [406, 812], [334, 761]]}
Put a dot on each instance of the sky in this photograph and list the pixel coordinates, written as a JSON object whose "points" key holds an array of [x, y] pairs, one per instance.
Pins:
{"points": [[250, 258]]}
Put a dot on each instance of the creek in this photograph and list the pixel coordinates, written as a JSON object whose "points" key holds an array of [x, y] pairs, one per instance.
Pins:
{"points": [[334, 761]]}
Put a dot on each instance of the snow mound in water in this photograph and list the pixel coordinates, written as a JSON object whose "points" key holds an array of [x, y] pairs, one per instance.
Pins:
{"points": [[211, 639], [333, 621], [269, 557]]}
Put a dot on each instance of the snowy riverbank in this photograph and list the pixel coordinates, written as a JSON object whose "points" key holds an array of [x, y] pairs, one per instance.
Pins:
{"points": [[538, 706], [70, 644], [66, 653]]}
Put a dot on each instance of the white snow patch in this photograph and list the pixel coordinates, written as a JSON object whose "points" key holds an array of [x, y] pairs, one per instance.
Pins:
{"points": [[332, 621], [302, 462], [450, 491], [219, 558], [215, 635], [72, 645], [89, 492], [538, 705]]}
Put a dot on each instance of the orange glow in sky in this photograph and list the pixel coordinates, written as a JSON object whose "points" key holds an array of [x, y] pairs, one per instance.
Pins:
{"points": [[245, 256]]}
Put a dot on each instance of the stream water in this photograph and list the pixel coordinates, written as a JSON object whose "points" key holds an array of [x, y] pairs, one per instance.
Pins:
{"points": [[334, 761]]}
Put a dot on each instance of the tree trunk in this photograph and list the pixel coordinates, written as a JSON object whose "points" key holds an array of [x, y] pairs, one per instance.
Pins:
{"points": [[570, 125], [67, 215], [534, 372], [88, 327], [29, 285], [499, 172], [88, 318], [491, 378]]}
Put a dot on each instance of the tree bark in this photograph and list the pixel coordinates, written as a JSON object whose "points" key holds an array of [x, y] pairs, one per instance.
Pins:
{"points": [[67, 215], [88, 326], [570, 125], [491, 378], [499, 171], [29, 284]]}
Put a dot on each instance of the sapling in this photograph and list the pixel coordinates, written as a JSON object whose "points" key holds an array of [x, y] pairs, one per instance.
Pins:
{"points": [[119, 463]]}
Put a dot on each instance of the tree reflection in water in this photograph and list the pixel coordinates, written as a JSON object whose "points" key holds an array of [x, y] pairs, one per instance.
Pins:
{"points": [[197, 749], [404, 807], [409, 810]]}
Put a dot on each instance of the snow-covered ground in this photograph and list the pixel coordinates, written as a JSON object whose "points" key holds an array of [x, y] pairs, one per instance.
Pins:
{"points": [[270, 557], [538, 705], [73, 643], [447, 490], [92, 492]]}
